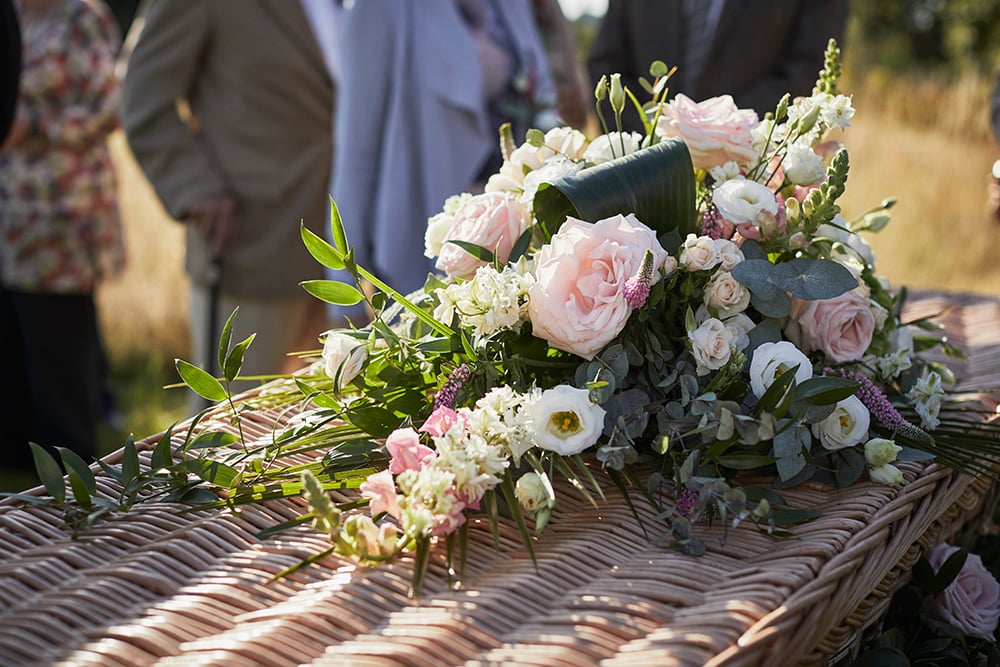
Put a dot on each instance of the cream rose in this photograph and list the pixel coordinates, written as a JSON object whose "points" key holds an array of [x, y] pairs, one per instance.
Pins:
{"points": [[565, 420], [344, 354], [577, 302], [841, 327], [712, 345], [492, 220], [846, 426], [699, 253], [715, 130], [725, 296], [971, 602], [771, 360]]}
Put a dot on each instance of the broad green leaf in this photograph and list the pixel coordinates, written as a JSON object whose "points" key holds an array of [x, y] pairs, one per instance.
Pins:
{"points": [[850, 467], [332, 291], [813, 279], [322, 252], [477, 251], [213, 471], [200, 381], [75, 464], [337, 226], [233, 362], [656, 184], [745, 461], [948, 571], [49, 472], [778, 390], [318, 397], [227, 337], [825, 390]]}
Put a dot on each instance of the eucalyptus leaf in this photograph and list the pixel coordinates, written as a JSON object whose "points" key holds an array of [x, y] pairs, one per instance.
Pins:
{"points": [[332, 291], [813, 279], [656, 184], [200, 381]]}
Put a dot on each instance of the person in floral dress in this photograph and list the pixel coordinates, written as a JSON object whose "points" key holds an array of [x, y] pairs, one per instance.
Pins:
{"points": [[60, 232]]}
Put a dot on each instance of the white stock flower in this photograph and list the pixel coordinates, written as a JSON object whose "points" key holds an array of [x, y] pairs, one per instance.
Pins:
{"points": [[608, 147], [742, 201], [837, 111], [770, 360], [802, 165], [474, 464], [925, 397], [344, 354], [846, 426], [502, 417], [565, 420], [712, 345], [488, 303], [850, 242]]}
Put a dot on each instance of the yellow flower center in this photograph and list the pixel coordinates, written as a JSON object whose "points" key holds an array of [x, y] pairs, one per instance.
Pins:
{"points": [[565, 422]]}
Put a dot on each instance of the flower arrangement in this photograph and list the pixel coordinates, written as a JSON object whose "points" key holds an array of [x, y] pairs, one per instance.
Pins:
{"points": [[670, 308]]}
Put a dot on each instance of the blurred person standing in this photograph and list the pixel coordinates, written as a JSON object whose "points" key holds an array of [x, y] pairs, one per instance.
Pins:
{"points": [[10, 65], [425, 87], [754, 50], [228, 107], [59, 225]]}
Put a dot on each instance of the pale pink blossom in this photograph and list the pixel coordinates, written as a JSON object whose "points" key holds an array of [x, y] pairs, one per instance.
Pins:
{"points": [[842, 327], [440, 422], [492, 220], [380, 489], [406, 451], [971, 602], [715, 130]]}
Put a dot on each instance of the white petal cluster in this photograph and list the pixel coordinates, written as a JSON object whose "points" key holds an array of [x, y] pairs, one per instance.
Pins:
{"points": [[925, 397], [491, 301]]}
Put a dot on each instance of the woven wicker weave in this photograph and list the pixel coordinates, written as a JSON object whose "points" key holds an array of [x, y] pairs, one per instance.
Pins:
{"points": [[159, 587]]}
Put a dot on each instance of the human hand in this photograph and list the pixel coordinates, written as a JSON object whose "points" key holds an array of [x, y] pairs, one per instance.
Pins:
{"points": [[216, 217]]}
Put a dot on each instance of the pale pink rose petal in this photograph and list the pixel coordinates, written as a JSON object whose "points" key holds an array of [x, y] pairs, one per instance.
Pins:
{"points": [[440, 422], [406, 451], [381, 490]]}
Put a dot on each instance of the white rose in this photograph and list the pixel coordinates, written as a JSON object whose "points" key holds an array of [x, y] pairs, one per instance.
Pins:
{"points": [[699, 253], [531, 491], [608, 147], [846, 426], [729, 254], [725, 296], [771, 360], [565, 420], [712, 344], [740, 325], [742, 201], [345, 354]]}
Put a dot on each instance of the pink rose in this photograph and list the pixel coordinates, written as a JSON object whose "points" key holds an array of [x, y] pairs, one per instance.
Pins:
{"points": [[841, 327], [406, 451], [492, 220], [577, 303], [381, 490], [440, 421], [971, 602], [714, 130]]}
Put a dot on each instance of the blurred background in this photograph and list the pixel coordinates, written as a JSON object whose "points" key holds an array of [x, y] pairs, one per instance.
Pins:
{"points": [[920, 71]]}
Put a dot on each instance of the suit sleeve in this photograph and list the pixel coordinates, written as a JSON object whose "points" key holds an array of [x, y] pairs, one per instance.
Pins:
{"points": [[161, 71], [610, 50], [818, 21]]}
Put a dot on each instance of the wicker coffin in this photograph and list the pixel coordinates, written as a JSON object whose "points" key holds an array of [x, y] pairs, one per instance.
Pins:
{"points": [[159, 587]]}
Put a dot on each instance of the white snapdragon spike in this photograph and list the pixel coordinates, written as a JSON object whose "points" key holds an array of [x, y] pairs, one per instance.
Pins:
{"points": [[899, 359], [805, 108], [925, 397], [438, 226], [712, 345], [837, 111], [344, 354], [744, 202], [849, 242], [846, 426], [771, 360], [566, 421], [613, 145], [802, 165]]}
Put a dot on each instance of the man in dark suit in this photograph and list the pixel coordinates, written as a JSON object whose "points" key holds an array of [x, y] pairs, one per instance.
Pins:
{"points": [[250, 162], [754, 50], [10, 65]]}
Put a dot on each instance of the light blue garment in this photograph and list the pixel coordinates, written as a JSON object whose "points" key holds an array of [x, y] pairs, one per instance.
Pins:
{"points": [[411, 124]]}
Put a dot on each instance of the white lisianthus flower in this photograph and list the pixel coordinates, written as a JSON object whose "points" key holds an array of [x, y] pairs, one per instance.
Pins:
{"points": [[439, 226], [699, 253], [846, 426], [770, 360], [725, 172], [344, 354], [744, 202], [802, 165], [887, 474], [608, 147], [712, 345], [532, 492], [881, 451], [565, 420], [925, 397]]}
